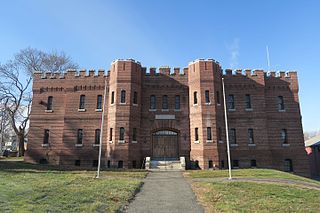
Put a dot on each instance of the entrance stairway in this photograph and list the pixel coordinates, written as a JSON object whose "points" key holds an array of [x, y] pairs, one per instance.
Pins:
{"points": [[165, 164]]}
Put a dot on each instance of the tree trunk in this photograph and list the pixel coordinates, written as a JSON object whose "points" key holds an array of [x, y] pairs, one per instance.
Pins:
{"points": [[21, 145]]}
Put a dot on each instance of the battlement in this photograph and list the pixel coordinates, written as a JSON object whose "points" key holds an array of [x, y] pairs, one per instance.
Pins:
{"points": [[165, 70], [261, 73], [70, 74], [125, 60], [204, 60]]}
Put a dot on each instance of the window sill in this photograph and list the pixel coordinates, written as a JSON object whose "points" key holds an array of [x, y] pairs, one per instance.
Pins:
{"points": [[152, 110], [98, 110], [122, 103], [252, 144], [218, 104], [220, 141], [81, 110], [135, 105], [234, 145], [195, 105], [78, 145], [208, 103], [165, 110], [209, 141], [285, 145], [110, 142], [121, 141], [196, 141], [177, 110], [95, 145], [231, 110], [45, 145], [134, 141], [281, 110], [48, 110], [249, 110]]}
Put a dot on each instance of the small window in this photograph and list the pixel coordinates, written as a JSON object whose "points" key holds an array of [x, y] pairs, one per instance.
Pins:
{"points": [[80, 136], [207, 96], [231, 102], [196, 134], [165, 102], [284, 136], [235, 163], [110, 134], [123, 97], [82, 102], [219, 134], [280, 103], [43, 161], [99, 102], [288, 167], [248, 102], [209, 135], [210, 164], [77, 162], [112, 97], [120, 164], [134, 164], [253, 163], [121, 134], [108, 164], [135, 98], [49, 104], [232, 136], [222, 164], [195, 98], [250, 136], [153, 102], [46, 136], [177, 102], [95, 163], [97, 136], [218, 97], [134, 134]]}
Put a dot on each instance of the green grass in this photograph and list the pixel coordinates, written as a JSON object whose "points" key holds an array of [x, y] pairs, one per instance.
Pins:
{"points": [[256, 197], [248, 173], [37, 188]]}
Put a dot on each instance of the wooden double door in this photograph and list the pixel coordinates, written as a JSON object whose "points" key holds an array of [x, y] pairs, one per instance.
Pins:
{"points": [[165, 144]]}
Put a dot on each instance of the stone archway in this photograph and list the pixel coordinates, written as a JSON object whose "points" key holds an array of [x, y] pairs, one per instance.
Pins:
{"points": [[165, 144]]}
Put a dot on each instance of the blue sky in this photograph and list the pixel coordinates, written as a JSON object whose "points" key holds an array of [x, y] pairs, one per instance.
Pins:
{"points": [[172, 33]]}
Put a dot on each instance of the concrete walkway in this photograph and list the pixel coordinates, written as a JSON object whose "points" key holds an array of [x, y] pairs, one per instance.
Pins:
{"points": [[165, 192]]}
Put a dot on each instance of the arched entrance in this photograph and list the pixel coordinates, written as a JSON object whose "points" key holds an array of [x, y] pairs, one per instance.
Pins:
{"points": [[165, 144]]}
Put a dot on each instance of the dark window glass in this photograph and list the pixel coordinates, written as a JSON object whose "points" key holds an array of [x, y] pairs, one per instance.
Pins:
{"points": [[77, 162], [109, 164], [219, 134], [135, 98], [99, 102], [97, 136], [235, 163], [80, 136], [231, 102], [43, 161], [120, 164], [112, 97], [46, 136], [134, 134], [49, 105], [110, 134], [195, 98], [177, 102], [280, 103], [222, 164], [134, 164], [284, 136], [209, 135], [123, 96], [165, 102], [95, 163], [288, 167], [218, 97], [196, 134], [253, 163], [232, 136], [210, 164], [153, 102], [248, 102], [207, 96], [82, 101], [121, 133], [250, 136]]}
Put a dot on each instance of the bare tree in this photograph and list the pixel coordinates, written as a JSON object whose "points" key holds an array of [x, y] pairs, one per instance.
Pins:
{"points": [[16, 82]]}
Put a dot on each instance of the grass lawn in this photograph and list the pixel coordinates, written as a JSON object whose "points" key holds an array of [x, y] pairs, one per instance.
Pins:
{"points": [[36, 188]]}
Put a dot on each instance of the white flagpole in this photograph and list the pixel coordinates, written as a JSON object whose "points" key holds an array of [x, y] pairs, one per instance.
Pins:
{"points": [[101, 128], [227, 130]]}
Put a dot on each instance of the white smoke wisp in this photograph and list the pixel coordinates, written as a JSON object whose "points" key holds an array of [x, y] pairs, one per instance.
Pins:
{"points": [[234, 49]]}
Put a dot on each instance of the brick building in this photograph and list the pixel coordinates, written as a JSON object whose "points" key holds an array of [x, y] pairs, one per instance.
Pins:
{"points": [[167, 114]]}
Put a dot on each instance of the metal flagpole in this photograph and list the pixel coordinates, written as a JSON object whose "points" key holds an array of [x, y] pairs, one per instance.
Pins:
{"points": [[227, 130], [101, 128]]}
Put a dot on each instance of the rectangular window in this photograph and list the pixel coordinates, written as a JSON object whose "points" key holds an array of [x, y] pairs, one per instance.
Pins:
{"points": [[77, 162], [177, 102], [46, 136], [250, 136], [235, 164], [222, 164], [121, 137], [280, 103], [164, 102], [80, 136], [284, 136], [231, 102], [97, 136], [110, 134], [153, 102], [253, 163], [135, 98], [49, 104], [195, 98], [99, 102], [209, 135], [219, 134], [210, 164], [207, 96], [123, 97], [95, 163], [218, 97], [120, 164], [196, 134], [112, 97], [288, 167], [134, 134], [248, 102], [134, 164], [232, 136], [82, 102]]}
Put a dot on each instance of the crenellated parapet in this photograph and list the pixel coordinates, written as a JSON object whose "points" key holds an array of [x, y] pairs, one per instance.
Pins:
{"points": [[166, 71], [71, 74]]}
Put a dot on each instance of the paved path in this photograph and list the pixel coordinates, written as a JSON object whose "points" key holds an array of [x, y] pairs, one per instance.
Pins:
{"points": [[165, 192]]}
